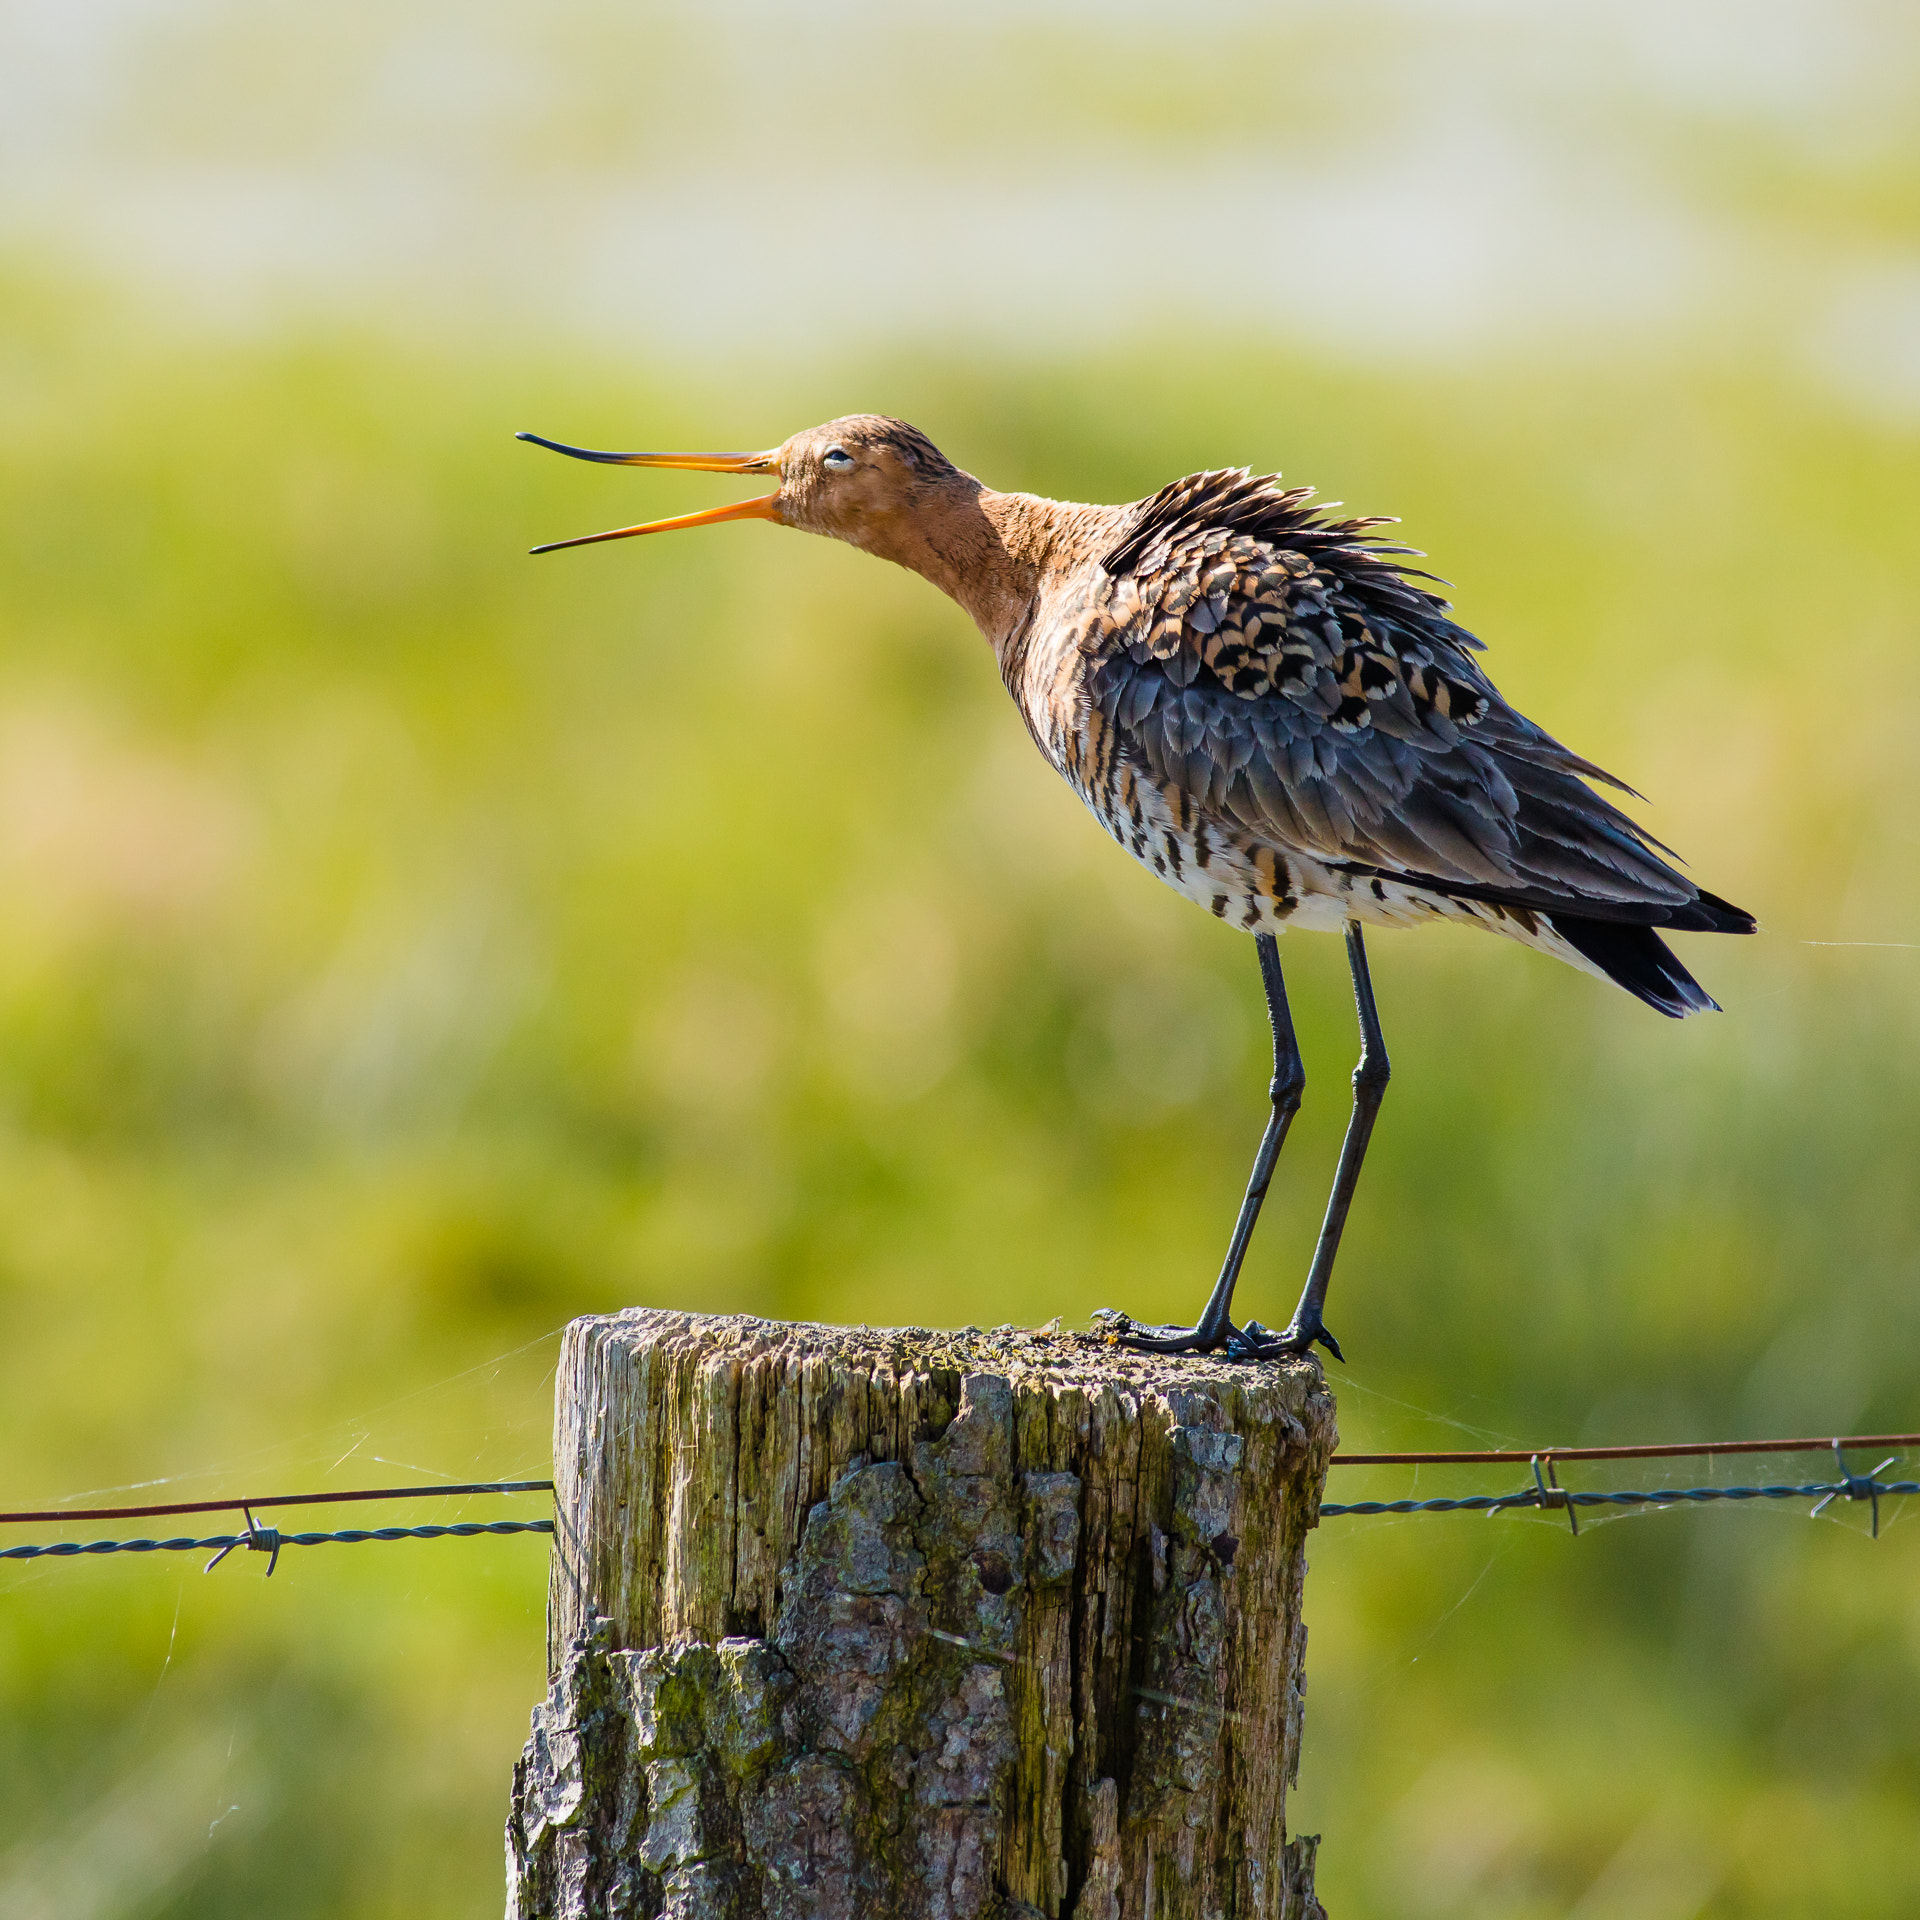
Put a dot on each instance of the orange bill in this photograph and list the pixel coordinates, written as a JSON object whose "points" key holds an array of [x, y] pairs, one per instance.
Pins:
{"points": [[760, 509]]}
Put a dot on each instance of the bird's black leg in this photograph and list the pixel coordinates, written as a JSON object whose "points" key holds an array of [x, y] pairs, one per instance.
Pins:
{"points": [[1369, 1086], [1215, 1327]]}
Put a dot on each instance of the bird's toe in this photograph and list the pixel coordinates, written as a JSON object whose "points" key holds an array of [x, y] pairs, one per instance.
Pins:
{"points": [[1125, 1331], [1255, 1342]]}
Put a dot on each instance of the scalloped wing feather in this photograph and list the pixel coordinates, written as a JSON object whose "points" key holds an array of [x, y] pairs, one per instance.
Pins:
{"points": [[1284, 668]]}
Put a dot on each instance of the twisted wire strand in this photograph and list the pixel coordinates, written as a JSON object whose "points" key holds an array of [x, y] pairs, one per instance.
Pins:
{"points": [[269, 1540], [1545, 1494]]}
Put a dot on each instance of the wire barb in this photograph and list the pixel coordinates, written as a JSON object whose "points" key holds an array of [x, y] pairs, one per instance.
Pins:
{"points": [[256, 1539], [1552, 1494], [1856, 1486]]}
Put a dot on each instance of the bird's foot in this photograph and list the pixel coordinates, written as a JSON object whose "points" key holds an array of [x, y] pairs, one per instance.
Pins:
{"points": [[1124, 1331], [1255, 1342], [1251, 1342]]}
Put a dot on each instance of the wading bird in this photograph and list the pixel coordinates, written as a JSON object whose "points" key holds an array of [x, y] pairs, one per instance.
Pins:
{"points": [[1265, 707]]}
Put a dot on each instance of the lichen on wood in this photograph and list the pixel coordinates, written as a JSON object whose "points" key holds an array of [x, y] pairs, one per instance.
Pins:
{"points": [[920, 1625]]}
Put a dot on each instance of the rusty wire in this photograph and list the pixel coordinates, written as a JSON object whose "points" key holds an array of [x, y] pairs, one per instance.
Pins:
{"points": [[269, 1540], [1547, 1492], [1499, 1456], [435, 1491]]}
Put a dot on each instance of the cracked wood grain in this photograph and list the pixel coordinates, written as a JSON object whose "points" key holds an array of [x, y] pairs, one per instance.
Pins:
{"points": [[850, 1622]]}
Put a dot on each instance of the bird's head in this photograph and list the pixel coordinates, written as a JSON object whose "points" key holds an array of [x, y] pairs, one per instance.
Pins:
{"points": [[876, 483]]}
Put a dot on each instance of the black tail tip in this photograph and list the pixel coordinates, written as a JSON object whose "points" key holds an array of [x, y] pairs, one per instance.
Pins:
{"points": [[1708, 913], [1637, 959]]}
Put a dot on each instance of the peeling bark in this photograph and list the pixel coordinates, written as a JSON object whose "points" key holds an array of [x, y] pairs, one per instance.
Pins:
{"points": [[927, 1626]]}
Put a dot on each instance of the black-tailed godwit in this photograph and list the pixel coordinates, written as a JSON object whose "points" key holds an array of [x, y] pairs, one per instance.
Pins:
{"points": [[1266, 707]]}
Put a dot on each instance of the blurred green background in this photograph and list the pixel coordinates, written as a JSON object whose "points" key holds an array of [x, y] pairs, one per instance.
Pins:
{"points": [[405, 946]]}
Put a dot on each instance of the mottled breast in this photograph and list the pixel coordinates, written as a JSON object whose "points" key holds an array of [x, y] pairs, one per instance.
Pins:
{"points": [[1168, 698], [1262, 707]]}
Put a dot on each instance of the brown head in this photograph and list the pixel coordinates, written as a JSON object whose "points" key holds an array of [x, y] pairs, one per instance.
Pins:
{"points": [[881, 486], [864, 479]]}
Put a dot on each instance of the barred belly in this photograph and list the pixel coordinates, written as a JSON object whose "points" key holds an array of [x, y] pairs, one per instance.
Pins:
{"points": [[1237, 879], [1261, 888], [1248, 882]]}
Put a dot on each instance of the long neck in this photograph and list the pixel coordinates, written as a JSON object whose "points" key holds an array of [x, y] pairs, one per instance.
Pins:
{"points": [[992, 551]]}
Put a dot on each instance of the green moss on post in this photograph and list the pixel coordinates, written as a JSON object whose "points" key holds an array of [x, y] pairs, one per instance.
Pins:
{"points": [[859, 1623]]}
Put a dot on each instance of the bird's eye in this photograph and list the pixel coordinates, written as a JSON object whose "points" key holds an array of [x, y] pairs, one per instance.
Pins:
{"points": [[838, 460]]}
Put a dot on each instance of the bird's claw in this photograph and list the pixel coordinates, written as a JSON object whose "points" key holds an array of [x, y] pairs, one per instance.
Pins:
{"points": [[1255, 1342], [1122, 1330], [1251, 1342]]}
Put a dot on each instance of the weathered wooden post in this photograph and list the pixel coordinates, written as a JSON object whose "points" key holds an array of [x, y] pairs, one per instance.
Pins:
{"points": [[856, 1622]]}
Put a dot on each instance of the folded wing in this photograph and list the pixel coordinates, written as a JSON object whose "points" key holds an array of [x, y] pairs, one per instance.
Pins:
{"points": [[1288, 670]]}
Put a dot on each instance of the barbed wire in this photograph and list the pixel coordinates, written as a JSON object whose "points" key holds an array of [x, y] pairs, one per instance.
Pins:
{"points": [[270, 1540], [1547, 1492]]}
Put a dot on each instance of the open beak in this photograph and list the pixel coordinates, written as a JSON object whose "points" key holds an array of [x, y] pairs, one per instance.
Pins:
{"points": [[760, 509]]}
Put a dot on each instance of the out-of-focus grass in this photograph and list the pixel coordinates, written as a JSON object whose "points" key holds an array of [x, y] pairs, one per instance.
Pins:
{"points": [[405, 945]]}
